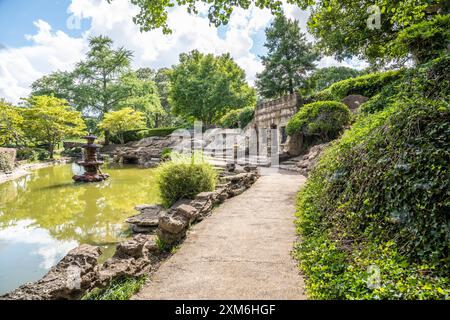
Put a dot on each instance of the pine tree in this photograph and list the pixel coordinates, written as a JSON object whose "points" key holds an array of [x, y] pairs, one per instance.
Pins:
{"points": [[288, 59]]}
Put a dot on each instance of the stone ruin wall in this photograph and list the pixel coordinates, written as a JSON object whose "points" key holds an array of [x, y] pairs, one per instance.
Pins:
{"points": [[276, 112]]}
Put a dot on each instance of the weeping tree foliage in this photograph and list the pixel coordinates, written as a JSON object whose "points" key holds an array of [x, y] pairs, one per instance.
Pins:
{"points": [[288, 59]]}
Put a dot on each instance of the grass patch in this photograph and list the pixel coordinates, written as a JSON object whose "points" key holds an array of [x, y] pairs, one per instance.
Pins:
{"points": [[120, 289]]}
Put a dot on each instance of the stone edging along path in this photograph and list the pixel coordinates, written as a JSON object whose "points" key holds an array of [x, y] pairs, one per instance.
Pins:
{"points": [[242, 251]]}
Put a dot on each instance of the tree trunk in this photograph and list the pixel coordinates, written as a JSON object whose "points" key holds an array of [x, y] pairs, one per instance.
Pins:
{"points": [[51, 149], [107, 137]]}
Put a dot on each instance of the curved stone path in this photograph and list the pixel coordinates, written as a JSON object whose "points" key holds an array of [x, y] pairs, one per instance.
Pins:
{"points": [[242, 251]]}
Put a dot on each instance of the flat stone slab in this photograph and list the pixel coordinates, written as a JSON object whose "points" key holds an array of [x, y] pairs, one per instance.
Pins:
{"points": [[242, 251], [148, 217]]}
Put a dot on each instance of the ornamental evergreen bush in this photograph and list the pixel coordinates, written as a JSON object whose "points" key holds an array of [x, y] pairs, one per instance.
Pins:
{"points": [[184, 178], [324, 120]]}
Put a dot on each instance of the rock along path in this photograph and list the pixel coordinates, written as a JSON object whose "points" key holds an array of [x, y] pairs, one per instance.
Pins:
{"points": [[242, 251]]}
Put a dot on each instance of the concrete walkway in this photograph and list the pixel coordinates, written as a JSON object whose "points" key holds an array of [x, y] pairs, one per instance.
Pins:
{"points": [[241, 251]]}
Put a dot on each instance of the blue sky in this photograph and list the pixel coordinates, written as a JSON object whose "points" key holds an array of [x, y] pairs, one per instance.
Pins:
{"points": [[17, 17], [35, 39]]}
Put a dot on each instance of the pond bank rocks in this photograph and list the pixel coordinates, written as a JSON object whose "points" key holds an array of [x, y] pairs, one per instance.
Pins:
{"points": [[69, 279], [146, 152], [147, 219]]}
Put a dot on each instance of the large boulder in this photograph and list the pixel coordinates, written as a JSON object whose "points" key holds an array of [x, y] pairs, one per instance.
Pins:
{"points": [[133, 257], [354, 101]]}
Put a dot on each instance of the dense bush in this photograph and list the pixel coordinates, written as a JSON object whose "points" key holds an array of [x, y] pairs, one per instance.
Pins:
{"points": [[323, 120], [183, 178], [26, 154], [7, 158], [73, 152], [238, 118], [379, 200], [366, 85], [136, 135]]}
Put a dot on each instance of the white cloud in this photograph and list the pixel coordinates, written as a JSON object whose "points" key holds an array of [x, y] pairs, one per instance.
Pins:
{"points": [[49, 249], [50, 51]]}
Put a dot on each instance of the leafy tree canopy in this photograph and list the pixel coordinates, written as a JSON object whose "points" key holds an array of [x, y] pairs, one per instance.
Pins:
{"points": [[120, 121], [205, 87], [49, 120], [153, 13], [142, 96], [288, 59], [342, 26], [11, 121]]}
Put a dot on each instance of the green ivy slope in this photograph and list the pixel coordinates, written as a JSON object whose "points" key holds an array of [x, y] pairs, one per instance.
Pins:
{"points": [[374, 216]]}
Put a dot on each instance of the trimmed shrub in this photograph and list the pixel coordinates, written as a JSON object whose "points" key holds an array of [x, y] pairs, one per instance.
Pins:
{"points": [[184, 178], [378, 201], [323, 120], [136, 135], [367, 85], [7, 158], [238, 118]]}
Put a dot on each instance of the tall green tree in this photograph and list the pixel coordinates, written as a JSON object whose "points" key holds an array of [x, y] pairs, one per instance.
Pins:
{"points": [[49, 120], [205, 87], [100, 89], [289, 58], [143, 97]]}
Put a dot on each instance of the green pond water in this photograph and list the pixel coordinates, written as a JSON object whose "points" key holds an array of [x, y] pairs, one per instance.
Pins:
{"points": [[44, 215]]}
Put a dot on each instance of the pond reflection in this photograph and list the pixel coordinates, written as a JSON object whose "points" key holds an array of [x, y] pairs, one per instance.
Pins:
{"points": [[44, 215]]}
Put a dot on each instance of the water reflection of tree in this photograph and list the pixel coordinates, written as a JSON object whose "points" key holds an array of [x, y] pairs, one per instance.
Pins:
{"points": [[87, 213]]}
